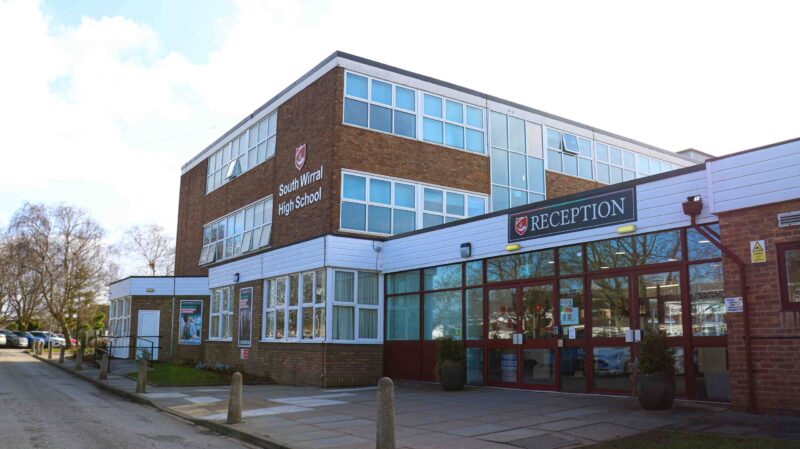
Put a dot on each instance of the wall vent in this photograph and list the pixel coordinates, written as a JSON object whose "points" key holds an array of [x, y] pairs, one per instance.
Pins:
{"points": [[789, 219]]}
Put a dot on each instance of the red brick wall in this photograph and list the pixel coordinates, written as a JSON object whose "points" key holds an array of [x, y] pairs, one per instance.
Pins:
{"points": [[562, 185], [776, 361]]}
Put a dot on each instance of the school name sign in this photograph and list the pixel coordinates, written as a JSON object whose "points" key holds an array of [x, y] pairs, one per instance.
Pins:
{"points": [[595, 211]]}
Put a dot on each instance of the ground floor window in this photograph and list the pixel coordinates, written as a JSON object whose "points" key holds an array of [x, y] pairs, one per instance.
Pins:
{"points": [[119, 317], [789, 274], [220, 326], [295, 306], [356, 302]]}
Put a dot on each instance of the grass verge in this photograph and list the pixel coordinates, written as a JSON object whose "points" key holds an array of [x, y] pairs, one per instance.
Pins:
{"points": [[660, 439], [171, 375]]}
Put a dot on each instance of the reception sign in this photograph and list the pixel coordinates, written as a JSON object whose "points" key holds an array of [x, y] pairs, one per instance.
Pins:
{"points": [[245, 317], [190, 324], [595, 211]]}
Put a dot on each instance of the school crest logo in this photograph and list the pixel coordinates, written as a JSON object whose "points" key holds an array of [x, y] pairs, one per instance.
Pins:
{"points": [[521, 225], [300, 157]]}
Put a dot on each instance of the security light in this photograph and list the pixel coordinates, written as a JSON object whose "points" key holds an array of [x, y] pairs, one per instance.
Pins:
{"points": [[466, 249]]}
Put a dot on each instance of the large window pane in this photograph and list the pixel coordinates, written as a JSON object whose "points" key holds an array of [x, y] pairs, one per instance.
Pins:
{"points": [[433, 106], [517, 171], [475, 141], [402, 317], [660, 303], [445, 276], [356, 85], [405, 98], [454, 135], [474, 272], [570, 165], [658, 247], [516, 135], [537, 311], [707, 297], [367, 323], [367, 288], [380, 191], [443, 315], [570, 260], [380, 118], [454, 111], [474, 117], [520, 266], [404, 195], [614, 253], [474, 314], [380, 220], [498, 130], [343, 325], [612, 368], [344, 286], [405, 124], [404, 221], [699, 247], [432, 130], [500, 198], [610, 307], [355, 112], [475, 366], [712, 374], [585, 168], [381, 92], [538, 367], [433, 200], [354, 216], [499, 166], [791, 272], [571, 310], [455, 203], [307, 331], [476, 206], [535, 174], [572, 367], [405, 282], [354, 187], [554, 161], [502, 313]]}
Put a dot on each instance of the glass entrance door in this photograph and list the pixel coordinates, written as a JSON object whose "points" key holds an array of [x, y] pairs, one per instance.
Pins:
{"points": [[503, 323], [611, 318]]}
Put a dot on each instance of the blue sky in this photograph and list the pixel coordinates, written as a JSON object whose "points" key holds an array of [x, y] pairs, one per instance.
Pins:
{"points": [[105, 100]]}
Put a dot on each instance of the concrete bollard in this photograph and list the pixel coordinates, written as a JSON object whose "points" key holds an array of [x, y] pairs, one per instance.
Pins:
{"points": [[104, 367], [38, 350], [141, 380], [50, 350], [61, 354], [41, 347], [235, 401], [385, 424]]}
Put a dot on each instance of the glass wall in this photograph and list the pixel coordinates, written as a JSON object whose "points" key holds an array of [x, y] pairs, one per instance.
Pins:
{"points": [[517, 163]]}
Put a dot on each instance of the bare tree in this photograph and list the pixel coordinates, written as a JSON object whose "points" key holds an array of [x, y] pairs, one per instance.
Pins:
{"points": [[68, 256], [152, 244], [20, 284]]}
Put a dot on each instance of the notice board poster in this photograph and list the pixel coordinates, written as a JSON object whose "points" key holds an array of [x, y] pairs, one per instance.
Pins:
{"points": [[190, 322], [245, 317]]}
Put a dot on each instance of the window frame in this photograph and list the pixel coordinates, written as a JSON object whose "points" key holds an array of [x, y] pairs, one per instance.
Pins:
{"points": [[356, 306], [286, 308], [393, 107], [562, 151], [208, 252], [780, 251], [221, 161], [218, 334], [525, 154]]}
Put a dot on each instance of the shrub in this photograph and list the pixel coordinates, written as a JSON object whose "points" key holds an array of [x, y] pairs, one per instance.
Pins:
{"points": [[655, 356], [449, 350]]}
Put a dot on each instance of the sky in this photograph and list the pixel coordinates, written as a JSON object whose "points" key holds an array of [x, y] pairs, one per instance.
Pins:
{"points": [[101, 102]]}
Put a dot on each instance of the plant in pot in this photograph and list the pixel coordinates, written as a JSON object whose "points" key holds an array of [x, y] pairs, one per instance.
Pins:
{"points": [[655, 372], [451, 368]]}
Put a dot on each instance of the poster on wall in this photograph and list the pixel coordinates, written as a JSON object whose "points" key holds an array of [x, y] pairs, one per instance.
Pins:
{"points": [[245, 316], [190, 322], [568, 313]]}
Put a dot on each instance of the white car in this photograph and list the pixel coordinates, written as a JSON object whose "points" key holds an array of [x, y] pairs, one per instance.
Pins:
{"points": [[47, 336]]}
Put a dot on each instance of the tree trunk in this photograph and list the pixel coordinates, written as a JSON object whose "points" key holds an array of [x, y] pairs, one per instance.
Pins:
{"points": [[64, 328]]}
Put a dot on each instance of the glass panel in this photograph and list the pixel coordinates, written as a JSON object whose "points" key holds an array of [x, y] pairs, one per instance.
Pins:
{"points": [[499, 166], [381, 92], [432, 130], [380, 220], [405, 282], [474, 272], [700, 247], [655, 166], [602, 151], [294, 289], [344, 286], [570, 165], [791, 259], [433, 200], [498, 130], [443, 315], [615, 155], [269, 325], [429, 220], [538, 367], [680, 372], [433, 106], [585, 168], [553, 139], [404, 221], [658, 247], [319, 322], [518, 198], [610, 307], [308, 323], [520, 266], [500, 199], [319, 292], [503, 365], [615, 175], [612, 368], [628, 175], [445, 276], [279, 287], [660, 303], [380, 191], [502, 314], [354, 187], [707, 298], [454, 111], [602, 173], [711, 374], [572, 369], [476, 206], [570, 307], [308, 288], [402, 317], [474, 141], [614, 253], [535, 174], [368, 288], [517, 171], [474, 117], [355, 112], [571, 143], [367, 323], [570, 260], [628, 160], [474, 314], [475, 366], [405, 98], [537, 311], [280, 328], [516, 135], [455, 203], [380, 118], [585, 146], [354, 216], [554, 161], [356, 85], [343, 325], [404, 195], [405, 124], [454, 135]]}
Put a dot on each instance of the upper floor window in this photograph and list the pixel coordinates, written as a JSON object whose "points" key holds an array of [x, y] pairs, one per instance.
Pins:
{"points": [[517, 165], [379, 105], [452, 123], [388, 206], [569, 154], [651, 166], [243, 152], [615, 164], [241, 231]]}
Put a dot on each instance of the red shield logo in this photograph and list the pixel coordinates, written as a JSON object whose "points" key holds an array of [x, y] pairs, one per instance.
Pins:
{"points": [[300, 157], [521, 225]]}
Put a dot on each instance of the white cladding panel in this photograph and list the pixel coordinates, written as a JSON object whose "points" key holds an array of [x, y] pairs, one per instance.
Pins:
{"points": [[291, 259], [764, 176], [347, 252], [659, 208], [186, 286], [248, 268], [119, 289], [152, 286]]}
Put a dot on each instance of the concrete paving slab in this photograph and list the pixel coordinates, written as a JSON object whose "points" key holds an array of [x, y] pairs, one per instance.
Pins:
{"points": [[548, 441], [481, 429], [564, 424], [601, 432], [511, 435]]}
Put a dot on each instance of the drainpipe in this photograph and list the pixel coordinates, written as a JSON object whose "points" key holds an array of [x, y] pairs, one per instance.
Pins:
{"points": [[692, 208]]}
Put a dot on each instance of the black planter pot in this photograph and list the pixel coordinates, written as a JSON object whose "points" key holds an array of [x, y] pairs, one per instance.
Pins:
{"points": [[452, 376], [656, 391]]}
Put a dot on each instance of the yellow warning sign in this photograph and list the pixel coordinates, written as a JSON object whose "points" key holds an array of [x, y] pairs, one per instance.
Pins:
{"points": [[758, 254]]}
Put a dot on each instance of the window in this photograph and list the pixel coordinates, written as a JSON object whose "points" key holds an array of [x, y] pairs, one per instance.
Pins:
{"points": [[243, 152], [239, 232], [452, 123], [294, 307], [520, 266], [380, 105], [119, 321], [569, 154], [642, 249], [355, 305], [652, 166], [614, 164], [387, 206], [699, 247], [789, 274], [517, 178], [707, 299], [219, 327]]}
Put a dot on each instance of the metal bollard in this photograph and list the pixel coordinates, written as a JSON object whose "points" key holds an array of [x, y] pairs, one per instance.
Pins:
{"points": [[61, 354], [141, 380], [50, 350], [235, 401], [385, 424], [104, 367]]}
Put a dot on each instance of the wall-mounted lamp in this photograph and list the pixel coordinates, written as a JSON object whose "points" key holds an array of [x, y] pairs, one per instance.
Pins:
{"points": [[466, 249], [235, 278], [513, 246], [626, 229], [150, 290]]}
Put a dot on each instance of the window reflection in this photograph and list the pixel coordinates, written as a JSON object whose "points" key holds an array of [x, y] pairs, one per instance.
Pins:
{"points": [[538, 367], [612, 368], [520, 266], [502, 314], [660, 303], [635, 250], [610, 307], [445, 276], [570, 260], [538, 311], [699, 247], [707, 298], [402, 317], [474, 314], [443, 315]]}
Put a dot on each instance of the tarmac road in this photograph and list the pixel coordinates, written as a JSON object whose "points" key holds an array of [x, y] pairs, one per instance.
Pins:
{"points": [[42, 407]]}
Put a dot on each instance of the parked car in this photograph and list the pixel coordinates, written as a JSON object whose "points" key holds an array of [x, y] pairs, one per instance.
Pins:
{"points": [[3, 340], [13, 340], [31, 339], [47, 336]]}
